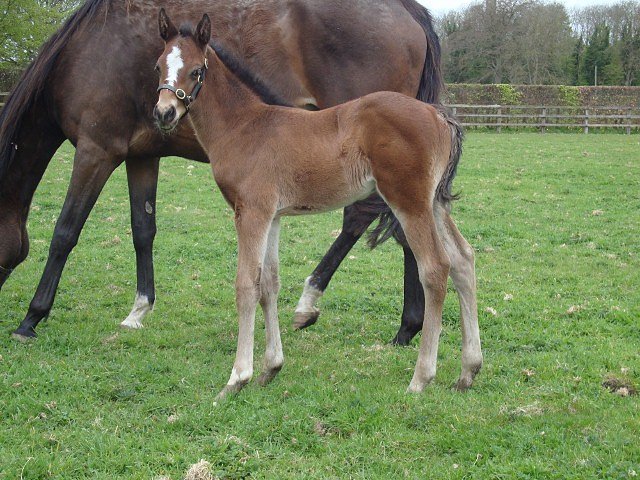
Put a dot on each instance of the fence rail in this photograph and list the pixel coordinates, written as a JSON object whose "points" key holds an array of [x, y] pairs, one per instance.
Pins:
{"points": [[542, 117]]}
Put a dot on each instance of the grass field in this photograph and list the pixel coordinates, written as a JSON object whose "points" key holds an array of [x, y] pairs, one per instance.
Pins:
{"points": [[555, 220]]}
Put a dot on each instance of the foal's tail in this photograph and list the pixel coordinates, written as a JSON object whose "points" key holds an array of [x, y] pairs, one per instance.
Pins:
{"points": [[443, 192]]}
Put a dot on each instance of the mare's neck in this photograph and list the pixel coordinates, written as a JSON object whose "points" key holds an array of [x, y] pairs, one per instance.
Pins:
{"points": [[224, 105]]}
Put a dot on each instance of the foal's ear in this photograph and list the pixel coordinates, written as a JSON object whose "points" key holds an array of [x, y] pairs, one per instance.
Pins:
{"points": [[203, 30], [167, 29]]}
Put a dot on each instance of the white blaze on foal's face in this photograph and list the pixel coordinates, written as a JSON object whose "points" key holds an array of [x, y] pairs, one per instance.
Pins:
{"points": [[171, 70], [174, 65]]}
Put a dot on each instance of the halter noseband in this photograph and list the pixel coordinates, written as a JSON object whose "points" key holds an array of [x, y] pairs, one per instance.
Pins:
{"points": [[181, 95]]}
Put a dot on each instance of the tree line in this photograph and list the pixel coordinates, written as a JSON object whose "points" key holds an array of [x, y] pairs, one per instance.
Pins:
{"points": [[532, 42], [494, 41], [26, 24]]}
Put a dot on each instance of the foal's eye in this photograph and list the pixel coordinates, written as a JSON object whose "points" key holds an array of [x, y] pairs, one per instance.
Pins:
{"points": [[195, 73], [157, 68]]}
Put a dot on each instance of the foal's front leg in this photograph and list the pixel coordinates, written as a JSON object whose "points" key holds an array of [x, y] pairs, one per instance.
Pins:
{"points": [[252, 227]]}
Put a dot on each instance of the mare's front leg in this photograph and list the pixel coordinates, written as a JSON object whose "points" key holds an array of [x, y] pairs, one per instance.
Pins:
{"points": [[269, 287], [142, 176], [92, 167], [252, 226]]}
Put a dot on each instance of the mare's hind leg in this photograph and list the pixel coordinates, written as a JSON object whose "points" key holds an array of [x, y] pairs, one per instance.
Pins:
{"points": [[92, 167], [269, 287], [252, 228], [142, 176], [356, 220], [464, 279], [433, 268], [413, 306], [36, 145]]}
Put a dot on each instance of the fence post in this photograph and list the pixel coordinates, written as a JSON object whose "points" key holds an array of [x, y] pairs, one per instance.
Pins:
{"points": [[499, 119], [543, 120], [628, 121], [586, 120]]}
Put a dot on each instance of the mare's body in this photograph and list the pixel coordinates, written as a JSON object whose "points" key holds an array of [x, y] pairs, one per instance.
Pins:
{"points": [[91, 85]]}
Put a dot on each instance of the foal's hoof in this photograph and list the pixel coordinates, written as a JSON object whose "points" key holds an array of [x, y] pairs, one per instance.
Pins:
{"points": [[267, 376], [305, 319], [463, 384], [24, 335], [415, 388], [230, 391]]}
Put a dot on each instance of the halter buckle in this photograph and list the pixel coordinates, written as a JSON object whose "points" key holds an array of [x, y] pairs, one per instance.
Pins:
{"points": [[181, 94]]}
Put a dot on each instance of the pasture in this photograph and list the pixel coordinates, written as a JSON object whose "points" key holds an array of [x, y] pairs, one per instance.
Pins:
{"points": [[554, 219]]}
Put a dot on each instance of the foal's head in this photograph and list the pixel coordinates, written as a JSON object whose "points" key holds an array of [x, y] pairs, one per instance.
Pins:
{"points": [[182, 67]]}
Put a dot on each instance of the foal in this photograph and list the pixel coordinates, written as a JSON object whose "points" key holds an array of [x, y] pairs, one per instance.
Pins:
{"points": [[271, 161]]}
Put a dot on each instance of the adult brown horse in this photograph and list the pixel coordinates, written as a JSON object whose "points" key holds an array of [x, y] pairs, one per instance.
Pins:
{"points": [[91, 85]]}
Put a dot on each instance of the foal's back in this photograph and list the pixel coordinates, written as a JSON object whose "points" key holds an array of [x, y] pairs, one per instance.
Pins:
{"points": [[327, 159]]}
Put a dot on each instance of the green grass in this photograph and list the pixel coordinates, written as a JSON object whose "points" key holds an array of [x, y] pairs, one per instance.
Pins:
{"points": [[555, 221]]}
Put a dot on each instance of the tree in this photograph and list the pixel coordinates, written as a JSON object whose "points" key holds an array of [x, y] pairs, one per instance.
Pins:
{"points": [[597, 55], [630, 54], [26, 24]]}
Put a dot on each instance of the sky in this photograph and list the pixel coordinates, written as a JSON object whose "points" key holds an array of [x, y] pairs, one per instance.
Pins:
{"points": [[439, 7]]}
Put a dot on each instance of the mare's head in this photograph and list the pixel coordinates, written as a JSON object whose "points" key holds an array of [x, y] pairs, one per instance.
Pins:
{"points": [[182, 67]]}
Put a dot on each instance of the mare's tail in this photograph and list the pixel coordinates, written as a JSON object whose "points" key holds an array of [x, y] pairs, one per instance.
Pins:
{"points": [[429, 90]]}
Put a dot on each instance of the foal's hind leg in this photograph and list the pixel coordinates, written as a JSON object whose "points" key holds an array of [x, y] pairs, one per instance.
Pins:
{"points": [[433, 268], [464, 279], [253, 230], [269, 287]]}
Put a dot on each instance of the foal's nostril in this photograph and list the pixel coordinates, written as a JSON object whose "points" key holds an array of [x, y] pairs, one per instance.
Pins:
{"points": [[169, 114]]}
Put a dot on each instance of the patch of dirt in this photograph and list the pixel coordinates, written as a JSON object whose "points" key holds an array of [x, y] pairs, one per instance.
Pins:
{"points": [[619, 386]]}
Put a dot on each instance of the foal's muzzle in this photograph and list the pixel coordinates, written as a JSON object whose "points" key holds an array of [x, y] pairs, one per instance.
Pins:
{"points": [[166, 117]]}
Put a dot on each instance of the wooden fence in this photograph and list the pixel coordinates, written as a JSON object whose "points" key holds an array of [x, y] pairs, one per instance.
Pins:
{"points": [[538, 117], [548, 117]]}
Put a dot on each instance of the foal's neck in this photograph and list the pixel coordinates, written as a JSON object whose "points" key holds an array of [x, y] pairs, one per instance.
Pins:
{"points": [[224, 104]]}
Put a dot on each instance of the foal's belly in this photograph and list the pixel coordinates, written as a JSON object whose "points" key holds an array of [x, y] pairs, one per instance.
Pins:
{"points": [[328, 201]]}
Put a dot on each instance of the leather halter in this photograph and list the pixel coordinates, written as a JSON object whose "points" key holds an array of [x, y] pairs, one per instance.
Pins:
{"points": [[181, 95]]}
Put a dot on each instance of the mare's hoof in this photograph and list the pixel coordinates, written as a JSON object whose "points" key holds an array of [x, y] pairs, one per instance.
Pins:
{"points": [[24, 334], [131, 324], [265, 377], [305, 319], [401, 341]]}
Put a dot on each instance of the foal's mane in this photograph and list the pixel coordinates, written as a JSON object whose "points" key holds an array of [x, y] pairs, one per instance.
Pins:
{"points": [[240, 71]]}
